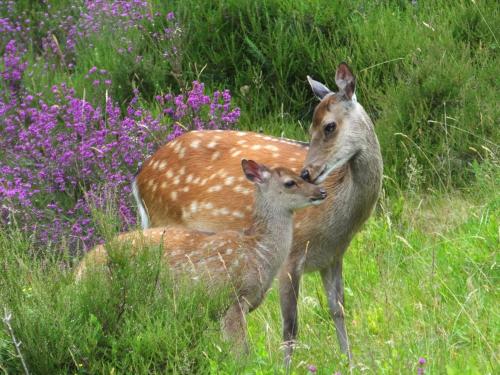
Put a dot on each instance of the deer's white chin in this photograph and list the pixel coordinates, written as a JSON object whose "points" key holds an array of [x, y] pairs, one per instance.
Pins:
{"points": [[317, 202], [329, 168]]}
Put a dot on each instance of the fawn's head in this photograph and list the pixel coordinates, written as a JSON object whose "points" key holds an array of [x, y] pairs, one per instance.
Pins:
{"points": [[338, 128], [282, 186]]}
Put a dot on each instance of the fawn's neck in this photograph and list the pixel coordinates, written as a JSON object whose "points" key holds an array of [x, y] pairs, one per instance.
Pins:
{"points": [[272, 229]]}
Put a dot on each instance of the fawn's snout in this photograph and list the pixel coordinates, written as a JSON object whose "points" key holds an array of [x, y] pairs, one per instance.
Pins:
{"points": [[318, 196]]}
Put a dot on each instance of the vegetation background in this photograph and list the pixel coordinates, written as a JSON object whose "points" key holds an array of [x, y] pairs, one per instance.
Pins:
{"points": [[422, 277]]}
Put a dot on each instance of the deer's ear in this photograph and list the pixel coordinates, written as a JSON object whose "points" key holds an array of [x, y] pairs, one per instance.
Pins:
{"points": [[345, 80], [318, 88], [255, 172]]}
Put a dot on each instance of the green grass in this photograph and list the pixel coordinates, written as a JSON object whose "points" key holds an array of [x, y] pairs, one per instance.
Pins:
{"points": [[421, 281]]}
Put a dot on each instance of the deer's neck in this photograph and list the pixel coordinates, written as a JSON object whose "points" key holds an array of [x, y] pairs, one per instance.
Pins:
{"points": [[272, 230], [353, 196]]}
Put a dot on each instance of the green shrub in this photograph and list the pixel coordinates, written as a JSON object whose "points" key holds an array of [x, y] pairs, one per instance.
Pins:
{"points": [[132, 318]]}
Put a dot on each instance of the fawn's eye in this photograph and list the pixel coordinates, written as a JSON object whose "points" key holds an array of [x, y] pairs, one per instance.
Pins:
{"points": [[290, 184], [330, 128]]}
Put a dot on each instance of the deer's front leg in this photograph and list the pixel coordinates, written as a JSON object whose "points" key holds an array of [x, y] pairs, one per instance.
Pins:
{"points": [[234, 326], [289, 282], [334, 288]]}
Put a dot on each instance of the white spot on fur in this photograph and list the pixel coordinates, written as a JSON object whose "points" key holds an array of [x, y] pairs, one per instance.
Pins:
{"points": [[229, 251], [215, 188], [185, 189], [223, 173], [212, 144], [195, 143], [169, 173], [276, 155], [162, 165], [224, 211], [229, 181], [177, 147], [236, 153], [173, 195], [208, 205], [196, 180], [176, 180], [241, 134], [255, 147], [163, 185], [189, 178], [271, 148], [203, 182], [215, 155], [238, 214], [242, 141], [194, 206], [242, 190], [292, 159], [182, 171], [182, 152]]}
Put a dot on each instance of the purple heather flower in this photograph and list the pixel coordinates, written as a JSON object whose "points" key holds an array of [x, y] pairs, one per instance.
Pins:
{"points": [[170, 16], [312, 369], [422, 361]]}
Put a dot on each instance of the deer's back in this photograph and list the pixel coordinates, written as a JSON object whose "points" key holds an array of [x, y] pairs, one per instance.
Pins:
{"points": [[196, 181]]}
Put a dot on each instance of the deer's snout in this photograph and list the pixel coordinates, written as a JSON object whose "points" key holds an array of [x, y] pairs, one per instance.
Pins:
{"points": [[312, 172], [305, 175]]}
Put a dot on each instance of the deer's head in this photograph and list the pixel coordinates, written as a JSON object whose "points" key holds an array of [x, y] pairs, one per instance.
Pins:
{"points": [[282, 186], [338, 128]]}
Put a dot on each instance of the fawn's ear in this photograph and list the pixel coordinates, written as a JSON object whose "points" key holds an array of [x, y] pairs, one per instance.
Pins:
{"points": [[255, 172], [318, 88], [345, 80]]}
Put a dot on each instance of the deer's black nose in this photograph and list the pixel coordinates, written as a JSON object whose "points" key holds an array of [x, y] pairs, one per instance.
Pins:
{"points": [[305, 175]]}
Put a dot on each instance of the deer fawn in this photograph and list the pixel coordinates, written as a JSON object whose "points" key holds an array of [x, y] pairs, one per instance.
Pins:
{"points": [[248, 260], [175, 187]]}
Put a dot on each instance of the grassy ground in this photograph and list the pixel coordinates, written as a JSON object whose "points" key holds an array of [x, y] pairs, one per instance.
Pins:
{"points": [[421, 281]]}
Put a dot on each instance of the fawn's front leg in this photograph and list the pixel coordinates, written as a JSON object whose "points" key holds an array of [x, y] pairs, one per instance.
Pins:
{"points": [[289, 282], [234, 326]]}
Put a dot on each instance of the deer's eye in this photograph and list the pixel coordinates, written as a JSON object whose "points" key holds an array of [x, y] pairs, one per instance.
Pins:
{"points": [[290, 184], [330, 128]]}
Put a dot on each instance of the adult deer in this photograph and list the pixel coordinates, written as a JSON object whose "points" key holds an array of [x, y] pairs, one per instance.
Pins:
{"points": [[246, 262], [175, 187]]}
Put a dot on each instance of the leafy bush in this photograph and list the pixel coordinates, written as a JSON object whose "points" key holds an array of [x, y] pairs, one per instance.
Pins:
{"points": [[136, 321]]}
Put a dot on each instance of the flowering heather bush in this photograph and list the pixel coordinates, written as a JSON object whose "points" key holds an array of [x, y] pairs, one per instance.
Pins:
{"points": [[58, 155], [62, 154]]}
